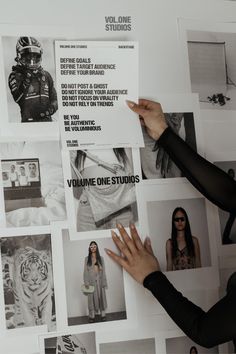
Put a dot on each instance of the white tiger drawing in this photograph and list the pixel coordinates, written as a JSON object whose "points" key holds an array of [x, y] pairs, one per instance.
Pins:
{"points": [[33, 287]]}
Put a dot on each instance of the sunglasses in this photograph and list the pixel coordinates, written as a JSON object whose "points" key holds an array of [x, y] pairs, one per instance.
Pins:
{"points": [[181, 218]]}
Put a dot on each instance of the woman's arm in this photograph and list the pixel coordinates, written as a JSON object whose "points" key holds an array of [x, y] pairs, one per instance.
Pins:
{"points": [[198, 262], [208, 329], [169, 262], [211, 181]]}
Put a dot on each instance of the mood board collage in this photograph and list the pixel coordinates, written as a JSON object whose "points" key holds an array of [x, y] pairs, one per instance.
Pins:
{"points": [[75, 161]]}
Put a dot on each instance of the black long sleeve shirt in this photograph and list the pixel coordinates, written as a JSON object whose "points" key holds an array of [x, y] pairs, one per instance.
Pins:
{"points": [[218, 325]]}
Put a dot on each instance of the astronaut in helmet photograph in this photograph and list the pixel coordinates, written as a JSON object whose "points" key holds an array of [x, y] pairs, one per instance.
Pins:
{"points": [[31, 86]]}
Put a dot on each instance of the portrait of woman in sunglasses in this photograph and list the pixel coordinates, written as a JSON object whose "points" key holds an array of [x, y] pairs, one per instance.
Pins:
{"points": [[182, 249]]}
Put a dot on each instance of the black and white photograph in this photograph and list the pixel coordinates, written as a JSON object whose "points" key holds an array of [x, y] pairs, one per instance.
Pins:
{"points": [[184, 345], [227, 220], [179, 222], [212, 67], [94, 283], [182, 114], [138, 346], [33, 185], [81, 343], [29, 66], [21, 180], [28, 285], [179, 233], [105, 188], [155, 162]]}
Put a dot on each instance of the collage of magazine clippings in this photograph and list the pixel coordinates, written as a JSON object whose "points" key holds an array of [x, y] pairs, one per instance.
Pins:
{"points": [[81, 164]]}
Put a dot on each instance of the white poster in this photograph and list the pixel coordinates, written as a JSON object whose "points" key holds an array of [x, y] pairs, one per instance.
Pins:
{"points": [[93, 80]]}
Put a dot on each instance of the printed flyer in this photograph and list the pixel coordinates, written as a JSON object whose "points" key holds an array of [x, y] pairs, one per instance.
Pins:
{"points": [[93, 80]]}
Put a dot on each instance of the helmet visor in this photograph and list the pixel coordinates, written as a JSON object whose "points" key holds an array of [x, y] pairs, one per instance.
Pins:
{"points": [[31, 60]]}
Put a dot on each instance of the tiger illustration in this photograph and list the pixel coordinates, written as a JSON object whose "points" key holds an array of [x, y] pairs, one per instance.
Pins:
{"points": [[33, 287]]}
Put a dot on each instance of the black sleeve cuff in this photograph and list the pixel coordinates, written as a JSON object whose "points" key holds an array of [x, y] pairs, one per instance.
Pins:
{"points": [[152, 279], [164, 136]]}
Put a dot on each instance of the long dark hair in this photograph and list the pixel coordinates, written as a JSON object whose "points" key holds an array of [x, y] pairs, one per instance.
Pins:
{"points": [[98, 257], [81, 156], [193, 347], [187, 234]]}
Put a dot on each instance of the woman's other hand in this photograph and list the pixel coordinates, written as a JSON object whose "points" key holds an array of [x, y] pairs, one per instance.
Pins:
{"points": [[137, 257], [151, 116]]}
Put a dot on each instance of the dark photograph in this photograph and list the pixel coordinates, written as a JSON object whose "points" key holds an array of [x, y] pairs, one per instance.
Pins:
{"points": [[155, 162], [30, 75]]}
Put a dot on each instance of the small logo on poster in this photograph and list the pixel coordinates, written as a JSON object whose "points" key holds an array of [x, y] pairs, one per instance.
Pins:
{"points": [[118, 23]]}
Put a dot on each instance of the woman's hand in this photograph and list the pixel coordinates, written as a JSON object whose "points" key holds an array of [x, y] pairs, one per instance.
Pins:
{"points": [[151, 116], [138, 258]]}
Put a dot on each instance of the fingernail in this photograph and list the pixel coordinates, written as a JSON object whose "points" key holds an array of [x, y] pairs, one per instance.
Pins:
{"points": [[119, 226], [107, 251], [148, 240], [130, 104], [113, 234], [132, 226]]}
